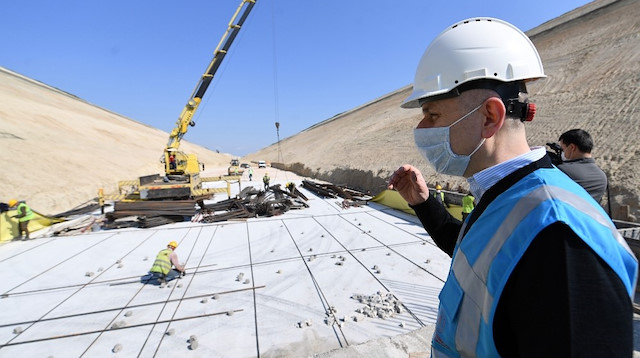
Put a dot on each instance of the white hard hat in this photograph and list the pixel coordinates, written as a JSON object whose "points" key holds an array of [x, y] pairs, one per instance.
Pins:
{"points": [[471, 50]]}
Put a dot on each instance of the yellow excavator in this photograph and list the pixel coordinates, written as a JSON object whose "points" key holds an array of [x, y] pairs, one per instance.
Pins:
{"points": [[181, 179]]}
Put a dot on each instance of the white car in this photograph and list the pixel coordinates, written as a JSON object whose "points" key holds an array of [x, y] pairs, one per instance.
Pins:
{"points": [[262, 164]]}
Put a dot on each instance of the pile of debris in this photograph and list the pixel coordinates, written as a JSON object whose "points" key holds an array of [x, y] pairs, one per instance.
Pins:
{"points": [[252, 202], [147, 214], [351, 197]]}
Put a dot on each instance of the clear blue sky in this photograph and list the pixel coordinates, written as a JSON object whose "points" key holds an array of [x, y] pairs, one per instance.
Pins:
{"points": [[142, 59]]}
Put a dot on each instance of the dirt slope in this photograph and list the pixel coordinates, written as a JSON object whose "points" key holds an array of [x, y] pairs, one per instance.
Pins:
{"points": [[58, 150], [592, 59]]}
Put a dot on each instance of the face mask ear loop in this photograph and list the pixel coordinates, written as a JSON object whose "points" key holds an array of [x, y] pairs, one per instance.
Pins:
{"points": [[465, 116]]}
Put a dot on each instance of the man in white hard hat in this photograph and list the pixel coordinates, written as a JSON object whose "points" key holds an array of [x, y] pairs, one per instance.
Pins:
{"points": [[538, 269]]}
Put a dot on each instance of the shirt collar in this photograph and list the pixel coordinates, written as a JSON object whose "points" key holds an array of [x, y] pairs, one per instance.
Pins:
{"points": [[481, 181]]}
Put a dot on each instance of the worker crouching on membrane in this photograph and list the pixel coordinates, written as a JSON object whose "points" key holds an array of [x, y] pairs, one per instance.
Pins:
{"points": [[538, 268], [161, 269]]}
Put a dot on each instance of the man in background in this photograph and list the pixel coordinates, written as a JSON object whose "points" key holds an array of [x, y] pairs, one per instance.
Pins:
{"points": [[578, 164]]}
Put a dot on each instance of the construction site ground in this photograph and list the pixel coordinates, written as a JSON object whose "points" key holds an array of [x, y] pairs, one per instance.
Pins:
{"points": [[270, 287], [282, 286]]}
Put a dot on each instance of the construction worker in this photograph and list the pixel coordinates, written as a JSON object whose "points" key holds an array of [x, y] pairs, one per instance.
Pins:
{"points": [[467, 205], [162, 265], [439, 196], [250, 174], [24, 215], [538, 268], [265, 180]]}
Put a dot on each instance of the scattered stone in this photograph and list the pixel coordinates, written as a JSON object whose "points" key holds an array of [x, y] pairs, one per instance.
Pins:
{"points": [[17, 330], [119, 261], [369, 231], [230, 313], [363, 249], [342, 258], [100, 269], [247, 281], [339, 263], [310, 249], [193, 345], [322, 235], [308, 322], [179, 285], [192, 338], [378, 271], [215, 296], [379, 305], [117, 348], [402, 324], [359, 224], [424, 243], [240, 276], [146, 258], [279, 271], [299, 324], [302, 233], [375, 267], [128, 314], [273, 250], [163, 285], [204, 300], [89, 274], [333, 256], [120, 265], [171, 332], [118, 324], [427, 261], [388, 254]]}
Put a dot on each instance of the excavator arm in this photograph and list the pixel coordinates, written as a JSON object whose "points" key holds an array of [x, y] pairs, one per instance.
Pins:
{"points": [[177, 162]]}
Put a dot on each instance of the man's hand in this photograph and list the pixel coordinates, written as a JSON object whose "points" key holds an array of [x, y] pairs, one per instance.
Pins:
{"points": [[408, 181], [184, 272]]}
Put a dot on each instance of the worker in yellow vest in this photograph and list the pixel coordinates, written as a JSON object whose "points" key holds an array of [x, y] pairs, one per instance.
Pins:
{"points": [[162, 265], [439, 196], [24, 215], [468, 203], [265, 180]]}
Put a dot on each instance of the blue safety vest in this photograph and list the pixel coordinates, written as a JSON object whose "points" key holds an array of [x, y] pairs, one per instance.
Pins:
{"points": [[484, 260]]}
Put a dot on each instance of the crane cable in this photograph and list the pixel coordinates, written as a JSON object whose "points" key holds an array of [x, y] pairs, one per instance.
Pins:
{"points": [[275, 85]]}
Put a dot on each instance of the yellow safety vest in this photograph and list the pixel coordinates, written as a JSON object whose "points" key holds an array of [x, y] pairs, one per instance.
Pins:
{"points": [[28, 213], [163, 262], [467, 203]]}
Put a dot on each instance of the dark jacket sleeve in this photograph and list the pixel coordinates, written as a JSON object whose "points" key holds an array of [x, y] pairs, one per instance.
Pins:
{"points": [[563, 300], [441, 226]]}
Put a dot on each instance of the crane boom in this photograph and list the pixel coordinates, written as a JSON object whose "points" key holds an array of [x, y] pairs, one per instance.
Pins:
{"points": [[177, 162]]}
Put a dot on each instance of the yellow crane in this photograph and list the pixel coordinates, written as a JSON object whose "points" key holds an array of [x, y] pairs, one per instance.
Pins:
{"points": [[181, 179]]}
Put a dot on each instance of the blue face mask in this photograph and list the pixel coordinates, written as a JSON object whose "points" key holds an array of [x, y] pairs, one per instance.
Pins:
{"points": [[435, 146]]}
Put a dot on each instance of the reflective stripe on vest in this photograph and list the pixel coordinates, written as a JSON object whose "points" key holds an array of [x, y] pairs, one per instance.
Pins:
{"points": [[28, 213], [163, 262], [483, 261]]}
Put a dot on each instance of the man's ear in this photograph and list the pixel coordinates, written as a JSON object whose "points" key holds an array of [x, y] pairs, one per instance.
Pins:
{"points": [[494, 114]]}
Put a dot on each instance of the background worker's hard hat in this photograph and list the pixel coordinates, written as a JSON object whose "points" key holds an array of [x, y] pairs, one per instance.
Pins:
{"points": [[173, 244], [13, 202], [474, 49], [438, 187]]}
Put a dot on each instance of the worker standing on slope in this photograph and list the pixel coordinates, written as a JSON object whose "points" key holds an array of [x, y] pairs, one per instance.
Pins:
{"points": [[162, 265], [538, 268], [250, 174], [265, 180], [467, 205], [24, 215]]}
